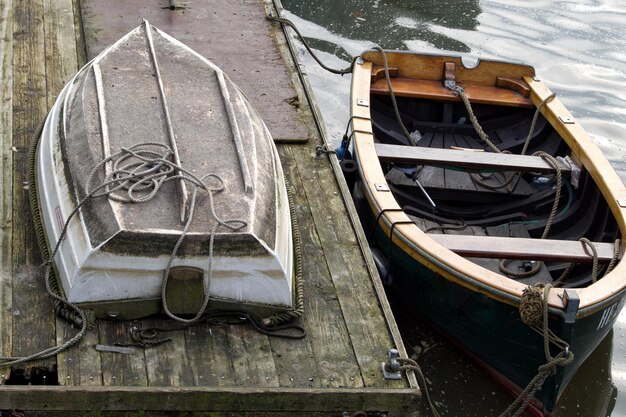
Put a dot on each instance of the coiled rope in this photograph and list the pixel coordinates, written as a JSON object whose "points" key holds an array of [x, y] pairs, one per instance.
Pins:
{"points": [[136, 175]]}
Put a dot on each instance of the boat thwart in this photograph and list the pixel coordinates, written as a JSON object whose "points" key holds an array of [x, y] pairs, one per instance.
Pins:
{"points": [[477, 187]]}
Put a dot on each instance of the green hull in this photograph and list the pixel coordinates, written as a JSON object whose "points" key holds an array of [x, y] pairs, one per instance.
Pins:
{"points": [[489, 330]]}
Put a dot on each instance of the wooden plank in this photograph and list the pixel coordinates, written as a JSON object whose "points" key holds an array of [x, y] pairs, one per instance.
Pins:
{"points": [[233, 399], [523, 248], [60, 52], [456, 180], [33, 312], [434, 90], [430, 176], [294, 360], [251, 356], [6, 183], [335, 361], [81, 50], [79, 365], [207, 359], [465, 159], [120, 369], [164, 363], [430, 67], [367, 328]]}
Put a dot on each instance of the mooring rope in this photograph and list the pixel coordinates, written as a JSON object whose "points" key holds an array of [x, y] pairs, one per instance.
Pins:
{"points": [[409, 365], [534, 313], [298, 310], [49, 278], [287, 22]]}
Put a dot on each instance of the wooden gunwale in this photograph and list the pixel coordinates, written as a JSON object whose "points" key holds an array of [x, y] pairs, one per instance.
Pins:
{"points": [[413, 241]]}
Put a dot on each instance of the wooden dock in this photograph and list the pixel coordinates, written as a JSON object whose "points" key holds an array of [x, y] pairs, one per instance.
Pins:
{"points": [[215, 370]]}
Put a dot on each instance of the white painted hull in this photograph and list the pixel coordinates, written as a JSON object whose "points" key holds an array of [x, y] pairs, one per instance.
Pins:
{"points": [[91, 272]]}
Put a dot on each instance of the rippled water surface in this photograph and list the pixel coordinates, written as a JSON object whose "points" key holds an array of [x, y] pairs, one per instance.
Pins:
{"points": [[577, 48]]}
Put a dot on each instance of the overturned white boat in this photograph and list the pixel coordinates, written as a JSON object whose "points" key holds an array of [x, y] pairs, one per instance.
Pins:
{"points": [[148, 147]]}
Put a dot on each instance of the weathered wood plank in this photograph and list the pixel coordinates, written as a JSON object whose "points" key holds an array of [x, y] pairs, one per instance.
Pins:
{"points": [[430, 176], [368, 331], [164, 363], [60, 52], [81, 50], [33, 313], [232, 399], [79, 365], [456, 180], [324, 321], [524, 248], [121, 369], [152, 413], [6, 160], [294, 359], [207, 357], [251, 356], [462, 158]]}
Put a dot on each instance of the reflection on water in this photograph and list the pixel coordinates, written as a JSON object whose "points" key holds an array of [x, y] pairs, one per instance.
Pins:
{"points": [[389, 23], [578, 49]]}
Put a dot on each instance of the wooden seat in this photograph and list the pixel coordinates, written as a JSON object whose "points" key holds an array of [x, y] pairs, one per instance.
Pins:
{"points": [[434, 90], [464, 158], [523, 248]]}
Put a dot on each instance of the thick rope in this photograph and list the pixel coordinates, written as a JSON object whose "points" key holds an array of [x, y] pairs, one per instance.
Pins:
{"points": [[49, 277], [412, 140], [138, 173], [298, 310], [511, 182], [555, 205], [287, 22], [406, 365], [534, 313]]}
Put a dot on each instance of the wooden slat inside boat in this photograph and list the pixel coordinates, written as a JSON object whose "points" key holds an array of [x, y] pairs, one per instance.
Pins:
{"points": [[153, 101], [458, 222]]}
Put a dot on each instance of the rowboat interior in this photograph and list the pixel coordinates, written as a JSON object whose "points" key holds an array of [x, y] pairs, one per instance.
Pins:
{"points": [[462, 191]]}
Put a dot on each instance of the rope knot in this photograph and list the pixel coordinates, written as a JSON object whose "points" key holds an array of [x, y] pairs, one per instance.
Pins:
{"points": [[531, 306]]}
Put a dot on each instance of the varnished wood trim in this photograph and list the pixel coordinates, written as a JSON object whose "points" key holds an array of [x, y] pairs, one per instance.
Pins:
{"points": [[611, 186], [410, 237], [434, 90], [378, 72], [430, 67], [515, 84]]}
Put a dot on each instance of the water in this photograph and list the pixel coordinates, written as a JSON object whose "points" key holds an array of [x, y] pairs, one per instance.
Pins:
{"points": [[577, 48]]}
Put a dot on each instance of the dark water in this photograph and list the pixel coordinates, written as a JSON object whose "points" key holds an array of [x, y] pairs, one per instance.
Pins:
{"points": [[577, 48]]}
